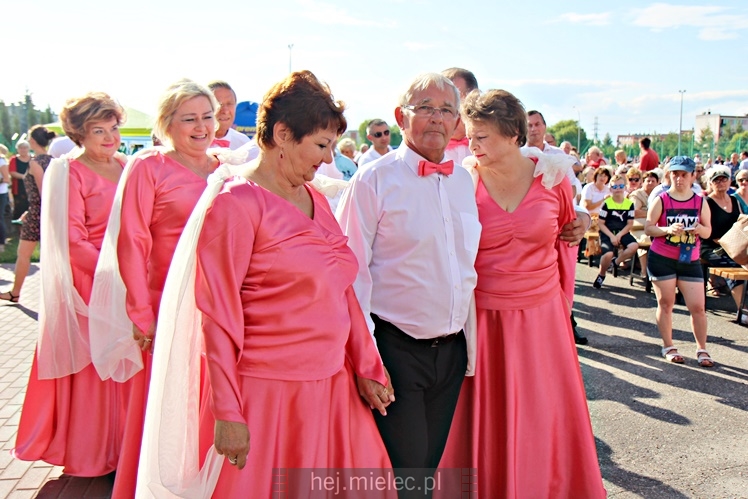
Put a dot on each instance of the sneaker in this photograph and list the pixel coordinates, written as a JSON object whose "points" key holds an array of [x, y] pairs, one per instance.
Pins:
{"points": [[578, 338], [598, 282]]}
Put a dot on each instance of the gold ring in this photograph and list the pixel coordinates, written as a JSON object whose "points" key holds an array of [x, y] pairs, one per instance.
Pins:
{"points": [[232, 460], [148, 340], [384, 392]]}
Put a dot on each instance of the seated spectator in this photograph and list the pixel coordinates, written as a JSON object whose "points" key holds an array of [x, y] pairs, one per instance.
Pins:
{"points": [[725, 210], [593, 194], [615, 222], [594, 157], [741, 194], [347, 148], [640, 197], [633, 180]]}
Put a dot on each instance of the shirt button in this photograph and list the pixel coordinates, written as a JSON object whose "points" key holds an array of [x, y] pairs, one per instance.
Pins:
{"points": [[446, 219]]}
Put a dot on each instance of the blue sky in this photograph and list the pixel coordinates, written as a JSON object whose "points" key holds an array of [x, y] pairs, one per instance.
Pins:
{"points": [[622, 62]]}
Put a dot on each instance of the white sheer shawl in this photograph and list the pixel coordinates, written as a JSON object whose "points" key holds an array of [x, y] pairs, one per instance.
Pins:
{"points": [[62, 347], [169, 460], [113, 351]]}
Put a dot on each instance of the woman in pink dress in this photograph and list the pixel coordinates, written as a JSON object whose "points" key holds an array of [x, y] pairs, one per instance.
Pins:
{"points": [[70, 417], [522, 421], [160, 191], [289, 355]]}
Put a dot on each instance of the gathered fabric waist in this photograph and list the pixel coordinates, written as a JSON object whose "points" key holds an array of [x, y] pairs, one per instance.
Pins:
{"points": [[517, 290]]}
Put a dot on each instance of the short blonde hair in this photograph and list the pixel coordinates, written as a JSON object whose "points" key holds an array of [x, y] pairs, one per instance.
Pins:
{"points": [[633, 171], [616, 177], [3, 151], [177, 94], [80, 111], [347, 143]]}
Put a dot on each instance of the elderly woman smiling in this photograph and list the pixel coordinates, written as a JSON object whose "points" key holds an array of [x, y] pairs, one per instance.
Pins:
{"points": [[70, 417], [155, 197]]}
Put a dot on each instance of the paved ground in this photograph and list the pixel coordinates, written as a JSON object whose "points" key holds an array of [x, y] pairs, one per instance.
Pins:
{"points": [[663, 430]]}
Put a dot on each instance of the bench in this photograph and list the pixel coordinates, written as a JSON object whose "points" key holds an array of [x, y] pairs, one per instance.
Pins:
{"points": [[735, 274]]}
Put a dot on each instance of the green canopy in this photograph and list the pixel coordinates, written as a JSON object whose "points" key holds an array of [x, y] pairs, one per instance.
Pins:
{"points": [[137, 124]]}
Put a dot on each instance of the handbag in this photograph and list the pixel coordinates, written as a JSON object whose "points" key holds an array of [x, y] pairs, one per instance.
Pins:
{"points": [[735, 241]]}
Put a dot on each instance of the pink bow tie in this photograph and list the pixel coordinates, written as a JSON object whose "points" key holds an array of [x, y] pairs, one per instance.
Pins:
{"points": [[427, 168], [221, 143], [455, 143]]}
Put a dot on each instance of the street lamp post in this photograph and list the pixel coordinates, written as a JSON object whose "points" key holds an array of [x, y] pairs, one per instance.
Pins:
{"points": [[680, 126], [290, 48], [579, 131]]}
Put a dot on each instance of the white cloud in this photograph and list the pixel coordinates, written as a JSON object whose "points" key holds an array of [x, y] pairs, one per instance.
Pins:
{"points": [[601, 19], [418, 46], [326, 13], [714, 22]]}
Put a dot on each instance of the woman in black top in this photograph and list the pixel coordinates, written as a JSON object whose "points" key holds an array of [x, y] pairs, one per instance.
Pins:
{"points": [[725, 211]]}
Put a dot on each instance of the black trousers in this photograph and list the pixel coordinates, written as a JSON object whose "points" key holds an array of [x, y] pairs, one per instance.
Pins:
{"points": [[427, 376]]}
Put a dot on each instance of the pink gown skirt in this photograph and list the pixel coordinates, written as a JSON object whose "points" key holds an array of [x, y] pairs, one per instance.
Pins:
{"points": [[296, 425], [523, 420], [75, 422]]}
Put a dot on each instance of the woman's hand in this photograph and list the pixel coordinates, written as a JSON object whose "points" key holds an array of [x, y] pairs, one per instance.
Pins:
{"points": [[573, 232], [377, 396], [232, 440], [675, 229], [145, 341]]}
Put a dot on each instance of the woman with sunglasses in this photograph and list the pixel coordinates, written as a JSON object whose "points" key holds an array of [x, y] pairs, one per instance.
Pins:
{"points": [[633, 180], [676, 221], [725, 210], [615, 222]]}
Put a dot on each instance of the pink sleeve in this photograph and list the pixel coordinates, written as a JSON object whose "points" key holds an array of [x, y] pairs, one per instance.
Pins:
{"points": [[83, 254], [567, 257], [360, 349], [135, 241], [223, 256]]}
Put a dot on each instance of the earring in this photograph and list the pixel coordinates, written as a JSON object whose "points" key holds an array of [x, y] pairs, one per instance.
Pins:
{"points": [[281, 153]]}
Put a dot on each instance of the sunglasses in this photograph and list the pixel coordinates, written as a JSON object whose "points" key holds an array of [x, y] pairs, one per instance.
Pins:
{"points": [[379, 134], [741, 180], [618, 186], [634, 179]]}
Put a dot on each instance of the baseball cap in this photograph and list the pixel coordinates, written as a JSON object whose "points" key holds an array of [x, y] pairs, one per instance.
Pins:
{"points": [[681, 164]]}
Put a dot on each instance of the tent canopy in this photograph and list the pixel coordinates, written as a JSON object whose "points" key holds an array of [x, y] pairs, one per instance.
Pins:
{"points": [[137, 124]]}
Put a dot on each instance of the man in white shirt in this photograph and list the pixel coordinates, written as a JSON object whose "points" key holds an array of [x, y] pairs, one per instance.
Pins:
{"points": [[226, 136], [412, 222], [459, 146], [413, 225], [378, 132]]}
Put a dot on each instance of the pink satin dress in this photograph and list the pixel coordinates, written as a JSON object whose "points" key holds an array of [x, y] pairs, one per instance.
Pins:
{"points": [[77, 421], [158, 198], [284, 336], [523, 420]]}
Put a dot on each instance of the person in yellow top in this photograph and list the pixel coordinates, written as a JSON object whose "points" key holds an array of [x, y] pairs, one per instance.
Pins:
{"points": [[615, 222]]}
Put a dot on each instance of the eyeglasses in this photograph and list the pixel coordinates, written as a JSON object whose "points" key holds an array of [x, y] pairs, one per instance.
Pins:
{"points": [[699, 170], [379, 134], [741, 180], [618, 186], [720, 179], [446, 112], [634, 179]]}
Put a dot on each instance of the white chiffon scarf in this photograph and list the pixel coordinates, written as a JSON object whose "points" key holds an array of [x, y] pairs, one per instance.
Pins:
{"points": [[169, 456], [114, 352], [62, 347]]}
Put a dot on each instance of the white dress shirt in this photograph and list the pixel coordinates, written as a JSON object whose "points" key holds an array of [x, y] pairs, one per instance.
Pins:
{"points": [[416, 239], [236, 139], [370, 155], [458, 153]]}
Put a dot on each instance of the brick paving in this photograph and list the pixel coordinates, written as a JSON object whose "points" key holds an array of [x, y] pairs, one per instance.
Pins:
{"points": [[21, 479]]}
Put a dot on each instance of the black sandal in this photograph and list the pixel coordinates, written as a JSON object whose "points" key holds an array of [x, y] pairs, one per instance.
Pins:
{"points": [[13, 298]]}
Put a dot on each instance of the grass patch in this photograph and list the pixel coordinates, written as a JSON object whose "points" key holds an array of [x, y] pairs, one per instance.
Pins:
{"points": [[11, 248]]}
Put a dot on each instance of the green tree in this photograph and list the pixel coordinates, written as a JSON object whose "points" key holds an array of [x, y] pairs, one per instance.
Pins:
{"points": [[566, 130], [738, 143], [705, 144], [608, 147], [396, 137], [362, 132], [5, 128]]}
